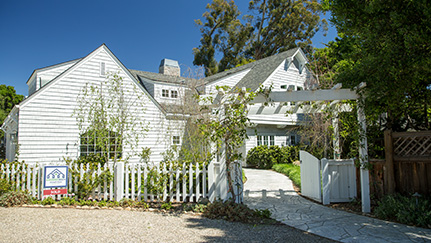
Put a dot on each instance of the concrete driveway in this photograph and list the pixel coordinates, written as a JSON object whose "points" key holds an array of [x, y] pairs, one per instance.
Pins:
{"points": [[272, 190]]}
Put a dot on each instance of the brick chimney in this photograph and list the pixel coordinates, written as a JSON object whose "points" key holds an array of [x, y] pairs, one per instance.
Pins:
{"points": [[169, 67]]}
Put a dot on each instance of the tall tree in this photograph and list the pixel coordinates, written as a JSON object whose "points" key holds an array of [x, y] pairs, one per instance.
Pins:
{"points": [[392, 54], [8, 99], [271, 27]]}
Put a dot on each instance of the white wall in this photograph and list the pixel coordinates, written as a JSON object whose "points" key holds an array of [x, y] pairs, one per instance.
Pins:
{"points": [[48, 131], [230, 81]]}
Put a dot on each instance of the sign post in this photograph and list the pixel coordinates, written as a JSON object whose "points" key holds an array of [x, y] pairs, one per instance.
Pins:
{"points": [[55, 179]]}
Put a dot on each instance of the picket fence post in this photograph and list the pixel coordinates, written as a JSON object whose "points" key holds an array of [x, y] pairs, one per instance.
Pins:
{"points": [[119, 181]]}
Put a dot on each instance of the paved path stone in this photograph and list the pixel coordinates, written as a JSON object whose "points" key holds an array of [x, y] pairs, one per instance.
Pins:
{"points": [[272, 190]]}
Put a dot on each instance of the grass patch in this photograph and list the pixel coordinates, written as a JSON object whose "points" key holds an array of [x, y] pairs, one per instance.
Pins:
{"points": [[290, 170]]}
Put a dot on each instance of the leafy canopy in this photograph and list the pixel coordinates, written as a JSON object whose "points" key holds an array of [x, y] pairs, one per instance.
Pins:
{"points": [[387, 45], [271, 27]]}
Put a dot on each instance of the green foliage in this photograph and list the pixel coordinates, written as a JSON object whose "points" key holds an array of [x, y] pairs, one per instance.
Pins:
{"points": [[5, 186], [13, 198], [8, 99], [265, 157], [105, 115], [272, 26], [67, 201], [290, 170], [386, 44], [228, 129], [89, 180], [48, 201], [166, 206], [232, 211], [405, 210], [127, 202]]}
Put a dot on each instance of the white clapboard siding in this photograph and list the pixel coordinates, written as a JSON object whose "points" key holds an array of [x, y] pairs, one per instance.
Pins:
{"points": [[48, 131], [230, 81], [286, 76]]}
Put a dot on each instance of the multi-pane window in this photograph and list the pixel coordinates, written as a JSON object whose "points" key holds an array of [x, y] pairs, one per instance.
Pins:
{"points": [[265, 140], [103, 144], [165, 93], [174, 94], [176, 140]]}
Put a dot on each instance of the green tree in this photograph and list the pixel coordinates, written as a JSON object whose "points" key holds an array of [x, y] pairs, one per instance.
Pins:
{"points": [[271, 27], [390, 50], [107, 116], [228, 129], [8, 99]]}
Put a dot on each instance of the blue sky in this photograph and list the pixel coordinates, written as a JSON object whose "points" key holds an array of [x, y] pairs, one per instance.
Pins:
{"points": [[36, 34]]}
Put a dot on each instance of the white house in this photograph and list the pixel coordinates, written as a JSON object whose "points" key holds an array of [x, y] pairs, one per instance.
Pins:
{"points": [[43, 125], [286, 71], [45, 130]]}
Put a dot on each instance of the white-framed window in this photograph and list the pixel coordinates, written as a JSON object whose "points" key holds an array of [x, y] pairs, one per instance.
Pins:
{"points": [[265, 140], [102, 69], [93, 143], [165, 93], [283, 87], [174, 94], [176, 140]]}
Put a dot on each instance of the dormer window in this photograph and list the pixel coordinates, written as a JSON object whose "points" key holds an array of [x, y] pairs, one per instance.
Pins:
{"points": [[174, 94], [165, 93], [102, 69]]}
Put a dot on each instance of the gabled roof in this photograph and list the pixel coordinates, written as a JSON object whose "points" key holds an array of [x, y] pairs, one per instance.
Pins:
{"points": [[158, 77], [52, 66], [78, 63], [260, 70]]}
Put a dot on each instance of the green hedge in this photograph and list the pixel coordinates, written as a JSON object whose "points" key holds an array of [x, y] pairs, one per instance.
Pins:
{"points": [[290, 170], [265, 157]]}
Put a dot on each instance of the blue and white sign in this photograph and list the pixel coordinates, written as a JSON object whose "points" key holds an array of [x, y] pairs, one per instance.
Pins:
{"points": [[55, 176]]}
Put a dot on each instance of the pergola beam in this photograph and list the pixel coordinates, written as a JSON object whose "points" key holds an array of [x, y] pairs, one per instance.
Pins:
{"points": [[307, 95]]}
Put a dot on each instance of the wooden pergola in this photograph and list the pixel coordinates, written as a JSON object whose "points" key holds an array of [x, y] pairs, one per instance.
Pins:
{"points": [[334, 95]]}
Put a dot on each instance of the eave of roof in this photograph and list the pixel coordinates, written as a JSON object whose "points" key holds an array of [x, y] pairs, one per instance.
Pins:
{"points": [[260, 70], [159, 78], [52, 66]]}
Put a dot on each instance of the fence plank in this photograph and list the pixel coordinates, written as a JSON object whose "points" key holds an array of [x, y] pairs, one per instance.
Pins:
{"points": [[197, 183], [132, 171], [139, 177]]}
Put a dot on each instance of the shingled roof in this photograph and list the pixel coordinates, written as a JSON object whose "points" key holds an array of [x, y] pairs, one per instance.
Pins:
{"points": [[260, 70], [158, 77]]}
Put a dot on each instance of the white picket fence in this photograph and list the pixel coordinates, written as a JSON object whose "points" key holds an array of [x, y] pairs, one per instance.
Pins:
{"points": [[134, 181]]}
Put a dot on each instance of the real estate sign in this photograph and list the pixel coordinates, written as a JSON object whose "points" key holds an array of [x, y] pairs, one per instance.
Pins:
{"points": [[55, 176]]}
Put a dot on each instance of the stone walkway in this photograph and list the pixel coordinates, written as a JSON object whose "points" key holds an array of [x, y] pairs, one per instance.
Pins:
{"points": [[269, 189]]}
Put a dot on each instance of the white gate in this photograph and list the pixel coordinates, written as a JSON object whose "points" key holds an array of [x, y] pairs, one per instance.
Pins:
{"points": [[337, 178], [310, 176]]}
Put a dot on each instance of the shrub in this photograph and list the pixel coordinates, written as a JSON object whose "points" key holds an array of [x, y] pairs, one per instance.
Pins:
{"points": [[405, 210], [290, 170], [67, 201], [232, 211], [265, 157], [13, 198], [166, 206], [127, 202], [48, 201], [89, 180], [5, 186]]}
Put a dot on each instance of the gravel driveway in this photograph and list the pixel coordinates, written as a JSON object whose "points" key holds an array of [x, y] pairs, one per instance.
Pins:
{"points": [[77, 225]]}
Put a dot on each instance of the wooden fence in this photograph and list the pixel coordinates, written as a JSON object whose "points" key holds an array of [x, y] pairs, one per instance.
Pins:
{"points": [[407, 164], [134, 181]]}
